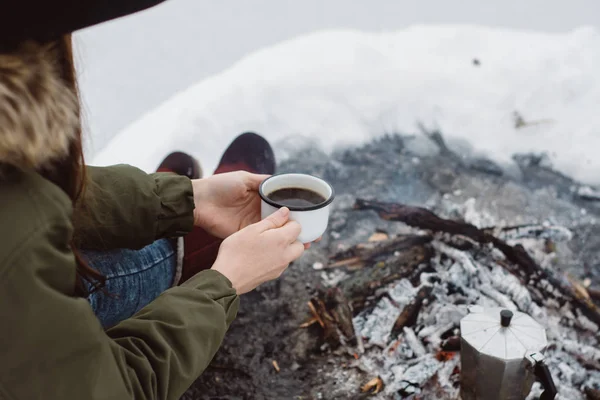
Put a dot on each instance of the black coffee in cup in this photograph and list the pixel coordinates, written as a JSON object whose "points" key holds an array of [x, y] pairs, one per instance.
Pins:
{"points": [[296, 197]]}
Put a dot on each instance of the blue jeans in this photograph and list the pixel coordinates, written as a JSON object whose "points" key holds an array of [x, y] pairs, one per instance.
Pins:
{"points": [[133, 279]]}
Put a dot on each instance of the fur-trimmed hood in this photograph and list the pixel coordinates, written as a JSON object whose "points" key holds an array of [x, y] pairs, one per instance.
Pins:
{"points": [[39, 113]]}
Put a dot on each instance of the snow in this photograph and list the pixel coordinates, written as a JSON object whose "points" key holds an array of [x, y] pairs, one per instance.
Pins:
{"points": [[339, 88]]}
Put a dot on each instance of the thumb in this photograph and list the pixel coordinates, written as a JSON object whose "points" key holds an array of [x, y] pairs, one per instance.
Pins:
{"points": [[275, 220], [253, 181]]}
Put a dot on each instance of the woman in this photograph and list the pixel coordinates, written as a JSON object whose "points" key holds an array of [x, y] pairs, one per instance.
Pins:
{"points": [[133, 278], [52, 345]]}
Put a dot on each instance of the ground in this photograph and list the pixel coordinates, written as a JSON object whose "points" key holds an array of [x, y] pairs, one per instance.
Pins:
{"points": [[395, 168]]}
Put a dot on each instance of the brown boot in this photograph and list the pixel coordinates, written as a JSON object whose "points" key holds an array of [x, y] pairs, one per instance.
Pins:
{"points": [[248, 152], [181, 164]]}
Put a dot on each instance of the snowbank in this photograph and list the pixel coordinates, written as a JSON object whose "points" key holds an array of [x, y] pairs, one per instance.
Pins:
{"points": [[345, 87]]}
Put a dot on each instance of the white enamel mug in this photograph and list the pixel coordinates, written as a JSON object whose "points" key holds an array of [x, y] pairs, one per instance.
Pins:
{"points": [[313, 219]]}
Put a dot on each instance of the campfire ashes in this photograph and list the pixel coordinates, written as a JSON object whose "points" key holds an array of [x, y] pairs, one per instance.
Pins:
{"points": [[418, 234]]}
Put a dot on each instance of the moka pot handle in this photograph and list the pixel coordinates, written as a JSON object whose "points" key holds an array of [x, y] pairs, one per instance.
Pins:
{"points": [[542, 373]]}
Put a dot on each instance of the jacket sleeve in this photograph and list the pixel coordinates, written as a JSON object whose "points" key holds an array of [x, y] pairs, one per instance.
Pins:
{"points": [[123, 207], [54, 348]]}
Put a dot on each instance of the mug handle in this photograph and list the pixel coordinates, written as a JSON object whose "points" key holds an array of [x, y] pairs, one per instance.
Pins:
{"points": [[542, 373]]}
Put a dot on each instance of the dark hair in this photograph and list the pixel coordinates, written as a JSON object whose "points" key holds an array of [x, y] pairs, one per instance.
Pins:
{"points": [[68, 173]]}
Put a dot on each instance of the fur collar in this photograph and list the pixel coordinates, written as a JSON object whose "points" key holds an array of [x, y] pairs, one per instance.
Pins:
{"points": [[39, 113]]}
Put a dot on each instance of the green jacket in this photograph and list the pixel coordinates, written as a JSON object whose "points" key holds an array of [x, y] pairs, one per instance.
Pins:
{"points": [[52, 347]]}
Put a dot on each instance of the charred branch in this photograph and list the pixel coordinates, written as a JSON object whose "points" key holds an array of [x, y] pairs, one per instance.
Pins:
{"points": [[369, 253], [536, 277], [592, 394], [401, 257], [408, 316], [333, 312]]}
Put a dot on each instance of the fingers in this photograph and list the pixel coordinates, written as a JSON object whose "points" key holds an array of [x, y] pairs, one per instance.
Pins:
{"points": [[253, 181], [294, 251], [275, 220], [290, 231]]}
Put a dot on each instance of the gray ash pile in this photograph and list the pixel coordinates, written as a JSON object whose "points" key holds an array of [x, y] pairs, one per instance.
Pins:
{"points": [[407, 330], [374, 310]]}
